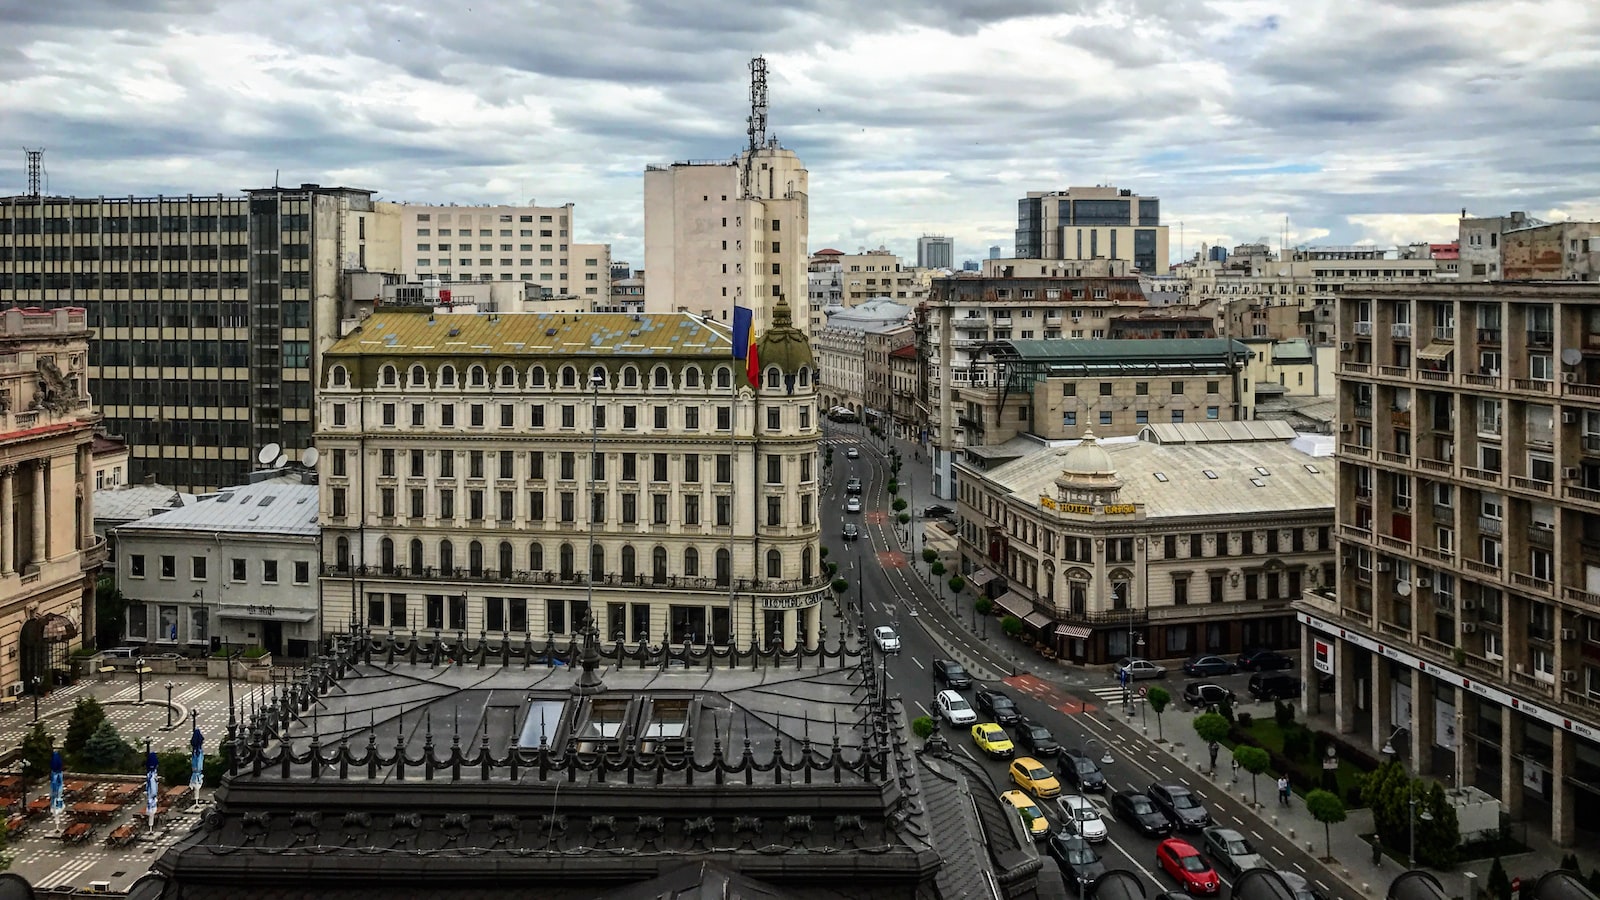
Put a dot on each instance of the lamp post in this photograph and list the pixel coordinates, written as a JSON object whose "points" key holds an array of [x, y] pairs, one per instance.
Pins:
{"points": [[140, 670], [200, 594], [169, 706], [1411, 803], [38, 684]]}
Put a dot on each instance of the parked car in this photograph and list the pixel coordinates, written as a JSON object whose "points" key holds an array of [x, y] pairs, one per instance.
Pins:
{"points": [[1037, 738], [1302, 889], [937, 511], [1208, 665], [853, 486], [1274, 686], [1032, 816], [1031, 775], [1205, 694], [1080, 865], [1183, 862], [954, 708], [993, 741], [852, 505], [852, 453], [852, 531], [951, 674], [1139, 669], [1000, 707], [1182, 807], [1081, 771], [887, 639], [1139, 812], [1260, 659], [1083, 819], [1229, 850]]}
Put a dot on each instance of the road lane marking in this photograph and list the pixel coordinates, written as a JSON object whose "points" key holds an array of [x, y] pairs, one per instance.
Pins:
{"points": [[919, 663], [1301, 868], [923, 708]]}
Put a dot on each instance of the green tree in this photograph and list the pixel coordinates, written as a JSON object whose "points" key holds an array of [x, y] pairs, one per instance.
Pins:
{"points": [[840, 585], [929, 555], [110, 610], [36, 748], [922, 726], [899, 504], [822, 552], [937, 568], [904, 518], [174, 768], [894, 488], [957, 583], [1158, 698], [1499, 884], [106, 750], [1384, 792], [1327, 808], [1225, 709], [983, 605], [1011, 625], [1211, 727], [1253, 760], [1438, 837], [87, 716]]}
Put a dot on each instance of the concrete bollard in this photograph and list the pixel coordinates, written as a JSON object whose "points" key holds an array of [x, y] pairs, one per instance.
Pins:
{"points": [[1291, 834], [1245, 799], [1274, 821], [1366, 888]]}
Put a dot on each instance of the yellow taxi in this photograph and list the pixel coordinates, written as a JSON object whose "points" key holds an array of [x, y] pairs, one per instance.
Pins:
{"points": [[1032, 816], [1032, 776], [993, 740]]}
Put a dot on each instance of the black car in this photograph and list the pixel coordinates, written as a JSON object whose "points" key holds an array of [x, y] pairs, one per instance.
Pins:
{"points": [[1207, 665], [951, 674], [1001, 709], [1036, 737], [1181, 806], [853, 486], [937, 511], [1205, 694], [1080, 865], [851, 531], [1137, 810], [1260, 659], [1081, 770], [1274, 686]]}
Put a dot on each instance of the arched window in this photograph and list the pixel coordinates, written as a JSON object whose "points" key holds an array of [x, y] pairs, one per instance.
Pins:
{"points": [[447, 558], [478, 376], [447, 376], [805, 376], [506, 564], [724, 569], [691, 563], [597, 562], [630, 377], [419, 377], [415, 557], [774, 377], [535, 557], [805, 565], [628, 568], [475, 559], [724, 377], [658, 565], [569, 377], [536, 377], [386, 556], [341, 553], [597, 376], [339, 377], [774, 564], [661, 377], [389, 376], [564, 561], [691, 377], [508, 376]]}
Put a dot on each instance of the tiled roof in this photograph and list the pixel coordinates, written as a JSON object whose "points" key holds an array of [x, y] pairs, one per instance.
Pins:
{"points": [[909, 351], [278, 506], [535, 334]]}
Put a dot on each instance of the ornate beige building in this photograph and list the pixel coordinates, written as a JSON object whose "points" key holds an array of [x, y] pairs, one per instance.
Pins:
{"points": [[48, 549], [507, 474]]}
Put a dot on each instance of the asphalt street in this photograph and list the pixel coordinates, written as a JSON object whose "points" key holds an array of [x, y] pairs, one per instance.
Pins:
{"points": [[884, 586]]}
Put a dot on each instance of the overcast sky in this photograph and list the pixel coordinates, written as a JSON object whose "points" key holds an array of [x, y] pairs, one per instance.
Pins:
{"points": [[1358, 120]]}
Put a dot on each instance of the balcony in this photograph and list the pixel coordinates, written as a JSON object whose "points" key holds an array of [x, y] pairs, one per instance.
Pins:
{"points": [[1363, 329], [1522, 579], [1434, 465], [1355, 450], [1400, 418], [971, 323], [1442, 376], [1537, 685], [1580, 699], [1364, 411], [1480, 379], [94, 553], [1399, 631], [1389, 456], [1489, 475], [1577, 595], [1444, 332], [1441, 556], [1400, 330], [1535, 385], [1540, 536], [1355, 368], [1002, 321], [1495, 667], [1574, 389], [1489, 526], [1540, 338], [1488, 335], [1581, 494], [1482, 568], [1395, 371], [1355, 532], [1529, 484], [1393, 543]]}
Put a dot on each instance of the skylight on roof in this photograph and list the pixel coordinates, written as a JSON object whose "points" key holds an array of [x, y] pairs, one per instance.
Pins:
{"points": [[267, 500], [1161, 477], [1258, 482], [224, 498], [1313, 469], [1210, 474], [1262, 470]]}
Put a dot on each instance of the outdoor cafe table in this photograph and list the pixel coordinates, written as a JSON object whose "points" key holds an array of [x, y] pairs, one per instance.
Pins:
{"points": [[95, 810]]}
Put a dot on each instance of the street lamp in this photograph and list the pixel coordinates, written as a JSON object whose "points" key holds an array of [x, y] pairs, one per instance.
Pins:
{"points": [[139, 669], [37, 684], [1411, 803], [169, 706], [1127, 682]]}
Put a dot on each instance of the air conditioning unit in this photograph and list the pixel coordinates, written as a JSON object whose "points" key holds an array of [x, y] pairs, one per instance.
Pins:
{"points": [[1345, 428], [1346, 345], [1568, 417], [1569, 377], [15, 689], [1423, 582], [1521, 668], [1569, 472], [1469, 605], [1468, 627], [1569, 634], [1383, 567], [1569, 675]]}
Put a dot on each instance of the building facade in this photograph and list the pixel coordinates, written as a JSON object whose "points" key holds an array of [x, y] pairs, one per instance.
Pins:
{"points": [[841, 349], [601, 464], [236, 568], [111, 459], [880, 343], [500, 243], [727, 233], [1151, 547], [1465, 629], [208, 312], [1085, 223], [49, 553], [910, 417], [936, 252]]}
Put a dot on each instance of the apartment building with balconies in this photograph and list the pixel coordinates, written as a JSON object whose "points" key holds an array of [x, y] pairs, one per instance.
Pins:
{"points": [[49, 553], [1466, 624], [619, 466]]}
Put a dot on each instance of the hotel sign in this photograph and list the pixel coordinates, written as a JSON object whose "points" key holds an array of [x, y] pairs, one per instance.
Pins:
{"points": [[1085, 509], [793, 601]]}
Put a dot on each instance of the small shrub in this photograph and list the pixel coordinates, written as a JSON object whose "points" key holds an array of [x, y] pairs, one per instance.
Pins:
{"points": [[105, 750], [36, 749], [937, 568], [1011, 625], [87, 716], [983, 605], [922, 726], [174, 768], [1297, 742], [903, 518], [929, 555], [1282, 713], [254, 652], [840, 585]]}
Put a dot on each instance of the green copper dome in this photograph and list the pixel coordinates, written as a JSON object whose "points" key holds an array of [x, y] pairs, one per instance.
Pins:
{"points": [[784, 345]]}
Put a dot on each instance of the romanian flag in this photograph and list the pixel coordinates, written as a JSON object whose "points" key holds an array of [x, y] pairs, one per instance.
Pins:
{"points": [[744, 344]]}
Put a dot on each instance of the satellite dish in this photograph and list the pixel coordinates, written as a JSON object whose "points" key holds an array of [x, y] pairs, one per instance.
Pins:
{"points": [[1572, 356], [281, 461], [1403, 588], [268, 453], [309, 457]]}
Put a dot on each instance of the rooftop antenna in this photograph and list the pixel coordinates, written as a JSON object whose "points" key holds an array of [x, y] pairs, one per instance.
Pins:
{"points": [[757, 123], [36, 165]]}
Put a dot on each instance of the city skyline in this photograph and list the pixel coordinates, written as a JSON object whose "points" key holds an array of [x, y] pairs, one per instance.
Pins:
{"points": [[1352, 123]]}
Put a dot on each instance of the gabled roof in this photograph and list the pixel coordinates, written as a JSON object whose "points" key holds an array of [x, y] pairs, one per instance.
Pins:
{"points": [[136, 501], [282, 506]]}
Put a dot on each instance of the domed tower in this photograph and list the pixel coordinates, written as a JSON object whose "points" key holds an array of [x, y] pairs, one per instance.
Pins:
{"points": [[1087, 475], [784, 353]]}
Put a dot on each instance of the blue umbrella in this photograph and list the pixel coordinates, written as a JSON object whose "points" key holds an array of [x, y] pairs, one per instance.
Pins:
{"points": [[197, 743], [151, 763], [58, 800]]}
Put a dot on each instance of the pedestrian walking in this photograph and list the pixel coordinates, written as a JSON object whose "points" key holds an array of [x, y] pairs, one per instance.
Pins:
{"points": [[1283, 790], [1213, 747]]}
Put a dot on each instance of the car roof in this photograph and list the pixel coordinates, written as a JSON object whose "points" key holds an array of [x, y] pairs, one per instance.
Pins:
{"points": [[1017, 798], [951, 695], [1172, 787], [882, 628], [1226, 834], [1077, 800], [1177, 844]]}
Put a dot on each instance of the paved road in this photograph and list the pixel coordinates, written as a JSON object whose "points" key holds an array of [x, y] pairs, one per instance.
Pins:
{"points": [[1092, 717]]}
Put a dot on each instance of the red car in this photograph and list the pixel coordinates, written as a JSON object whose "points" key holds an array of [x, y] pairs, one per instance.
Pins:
{"points": [[1184, 863]]}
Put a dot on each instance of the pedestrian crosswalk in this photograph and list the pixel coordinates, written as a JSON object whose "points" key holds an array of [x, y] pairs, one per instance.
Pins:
{"points": [[1113, 692]]}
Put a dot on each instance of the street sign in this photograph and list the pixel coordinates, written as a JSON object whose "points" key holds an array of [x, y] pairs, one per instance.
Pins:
{"points": [[1144, 692]]}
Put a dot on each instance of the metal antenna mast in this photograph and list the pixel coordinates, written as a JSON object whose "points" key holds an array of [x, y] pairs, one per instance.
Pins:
{"points": [[758, 119], [36, 161]]}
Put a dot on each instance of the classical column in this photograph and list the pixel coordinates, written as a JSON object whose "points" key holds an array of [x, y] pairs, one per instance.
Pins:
{"points": [[1382, 703], [1344, 687], [790, 628], [1422, 722], [1308, 673], [1563, 797], [813, 625], [85, 489], [1511, 762], [1466, 738], [8, 520], [40, 525]]}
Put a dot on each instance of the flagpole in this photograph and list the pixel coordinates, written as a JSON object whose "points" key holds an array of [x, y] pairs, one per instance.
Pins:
{"points": [[733, 472]]}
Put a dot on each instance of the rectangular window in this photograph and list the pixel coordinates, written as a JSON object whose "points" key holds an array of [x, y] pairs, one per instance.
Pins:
{"points": [[724, 468], [569, 465], [691, 469], [724, 418], [658, 467], [475, 505], [658, 509], [386, 502], [447, 415], [660, 414], [517, 614], [494, 613], [630, 509], [269, 571], [447, 504], [507, 465], [417, 507], [435, 611], [508, 506], [238, 575], [569, 416], [302, 572], [774, 469], [197, 568], [555, 612], [774, 510], [630, 417], [536, 465], [508, 415], [691, 509], [458, 612], [724, 510], [691, 418]]}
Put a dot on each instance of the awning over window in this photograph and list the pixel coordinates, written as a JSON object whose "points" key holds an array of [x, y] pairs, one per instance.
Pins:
{"points": [[1077, 632], [1436, 352], [1014, 604], [981, 577], [1037, 620]]}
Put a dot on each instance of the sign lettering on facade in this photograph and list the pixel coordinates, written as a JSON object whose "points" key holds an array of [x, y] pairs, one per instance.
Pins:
{"points": [[792, 602], [1084, 509]]}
